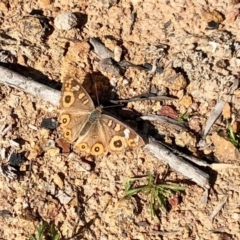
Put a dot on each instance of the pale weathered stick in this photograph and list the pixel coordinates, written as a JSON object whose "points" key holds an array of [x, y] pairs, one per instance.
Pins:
{"points": [[135, 99], [218, 208], [178, 164], [165, 120], [28, 85], [215, 113]]}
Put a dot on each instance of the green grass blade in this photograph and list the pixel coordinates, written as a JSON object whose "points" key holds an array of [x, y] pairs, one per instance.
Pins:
{"points": [[150, 179], [130, 182], [152, 212], [54, 233], [171, 187], [56, 237], [133, 191], [41, 229], [162, 201]]}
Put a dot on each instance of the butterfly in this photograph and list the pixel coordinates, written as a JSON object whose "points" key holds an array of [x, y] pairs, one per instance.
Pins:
{"points": [[87, 128]]}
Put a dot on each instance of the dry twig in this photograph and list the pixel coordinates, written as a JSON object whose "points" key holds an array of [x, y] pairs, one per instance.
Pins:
{"points": [[28, 85], [178, 164], [218, 208]]}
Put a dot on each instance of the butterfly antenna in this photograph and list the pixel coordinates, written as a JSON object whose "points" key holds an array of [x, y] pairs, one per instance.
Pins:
{"points": [[117, 105], [95, 85]]}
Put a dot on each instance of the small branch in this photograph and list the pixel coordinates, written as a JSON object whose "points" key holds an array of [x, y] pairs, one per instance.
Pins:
{"points": [[28, 85], [165, 120], [218, 208], [213, 117], [142, 98], [178, 164]]}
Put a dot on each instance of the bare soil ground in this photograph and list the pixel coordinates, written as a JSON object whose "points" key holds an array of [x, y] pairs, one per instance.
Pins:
{"points": [[197, 45]]}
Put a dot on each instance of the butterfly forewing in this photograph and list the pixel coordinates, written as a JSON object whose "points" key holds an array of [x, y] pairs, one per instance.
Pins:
{"points": [[75, 98], [76, 106]]}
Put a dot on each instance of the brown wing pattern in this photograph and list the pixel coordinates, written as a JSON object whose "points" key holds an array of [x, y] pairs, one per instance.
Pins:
{"points": [[108, 134], [93, 133]]}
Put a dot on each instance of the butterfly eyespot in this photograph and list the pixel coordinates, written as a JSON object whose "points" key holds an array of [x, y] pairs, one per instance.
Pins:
{"points": [[68, 134], [117, 143], [83, 147], [64, 119], [68, 99], [97, 149]]}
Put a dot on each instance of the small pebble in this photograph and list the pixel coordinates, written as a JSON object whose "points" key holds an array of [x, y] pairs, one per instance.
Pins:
{"points": [[53, 152], [58, 181], [4, 6], [44, 3], [104, 237], [14, 144], [49, 123], [142, 224], [212, 25], [113, 82], [235, 216], [117, 53], [5, 213], [64, 145], [63, 197], [108, 3], [65, 21], [48, 144], [85, 165], [125, 82], [16, 159], [100, 49]]}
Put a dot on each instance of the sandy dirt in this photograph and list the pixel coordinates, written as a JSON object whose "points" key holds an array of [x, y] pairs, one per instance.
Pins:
{"points": [[195, 43]]}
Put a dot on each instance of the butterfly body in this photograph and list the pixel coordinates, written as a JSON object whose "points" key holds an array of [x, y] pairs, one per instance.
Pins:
{"points": [[93, 117], [91, 131]]}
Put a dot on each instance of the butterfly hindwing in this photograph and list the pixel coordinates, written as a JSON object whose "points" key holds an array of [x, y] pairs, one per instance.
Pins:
{"points": [[107, 134]]}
